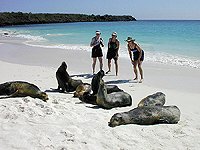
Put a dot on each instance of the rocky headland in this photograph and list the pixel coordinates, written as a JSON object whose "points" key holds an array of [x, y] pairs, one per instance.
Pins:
{"points": [[19, 18]]}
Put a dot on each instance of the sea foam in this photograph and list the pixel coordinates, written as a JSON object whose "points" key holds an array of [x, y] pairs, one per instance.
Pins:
{"points": [[150, 56]]}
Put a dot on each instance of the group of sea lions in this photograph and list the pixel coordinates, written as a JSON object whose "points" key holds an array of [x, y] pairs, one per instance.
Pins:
{"points": [[102, 95], [150, 110]]}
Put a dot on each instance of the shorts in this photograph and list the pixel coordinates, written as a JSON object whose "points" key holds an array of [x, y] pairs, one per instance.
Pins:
{"points": [[111, 54], [96, 52]]}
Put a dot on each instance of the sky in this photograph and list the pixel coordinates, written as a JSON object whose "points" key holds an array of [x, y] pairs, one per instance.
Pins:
{"points": [[140, 9]]}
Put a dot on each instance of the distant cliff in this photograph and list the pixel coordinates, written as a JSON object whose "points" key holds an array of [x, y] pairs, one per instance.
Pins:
{"points": [[19, 18]]}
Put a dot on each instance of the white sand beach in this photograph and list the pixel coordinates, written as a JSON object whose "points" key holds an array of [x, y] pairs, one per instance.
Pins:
{"points": [[65, 123]]}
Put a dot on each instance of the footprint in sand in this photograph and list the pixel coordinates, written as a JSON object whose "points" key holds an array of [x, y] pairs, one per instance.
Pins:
{"points": [[39, 105], [48, 110], [69, 136], [55, 101], [21, 109], [26, 100], [62, 148], [10, 116]]}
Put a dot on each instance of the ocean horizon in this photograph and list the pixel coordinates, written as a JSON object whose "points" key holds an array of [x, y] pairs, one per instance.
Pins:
{"points": [[173, 42]]}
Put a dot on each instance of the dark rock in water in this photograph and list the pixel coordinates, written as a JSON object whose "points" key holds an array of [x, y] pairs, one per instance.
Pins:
{"points": [[157, 99], [5, 33], [147, 116]]}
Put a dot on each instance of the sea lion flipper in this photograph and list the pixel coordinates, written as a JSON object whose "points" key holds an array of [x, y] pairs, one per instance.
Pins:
{"points": [[14, 94], [10, 96]]}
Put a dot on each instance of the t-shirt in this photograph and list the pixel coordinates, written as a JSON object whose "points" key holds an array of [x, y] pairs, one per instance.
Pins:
{"points": [[96, 41]]}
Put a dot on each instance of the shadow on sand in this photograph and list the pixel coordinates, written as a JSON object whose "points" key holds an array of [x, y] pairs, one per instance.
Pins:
{"points": [[57, 91], [120, 81], [94, 107], [86, 76]]}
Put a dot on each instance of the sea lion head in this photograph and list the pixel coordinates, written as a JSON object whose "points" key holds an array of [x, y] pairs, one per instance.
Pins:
{"points": [[43, 96], [79, 90], [64, 65], [116, 120], [101, 74]]}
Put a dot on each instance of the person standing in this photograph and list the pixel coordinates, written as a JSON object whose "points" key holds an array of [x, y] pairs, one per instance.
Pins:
{"points": [[112, 53], [96, 44], [137, 56]]}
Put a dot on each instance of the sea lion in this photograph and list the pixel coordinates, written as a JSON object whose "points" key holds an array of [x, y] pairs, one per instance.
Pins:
{"points": [[21, 89], [81, 89], [88, 98], [147, 116], [65, 82], [95, 81], [95, 84], [115, 99], [157, 99], [113, 88]]}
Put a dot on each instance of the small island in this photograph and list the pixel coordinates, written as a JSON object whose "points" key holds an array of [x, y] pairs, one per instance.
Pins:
{"points": [[19, 18]]}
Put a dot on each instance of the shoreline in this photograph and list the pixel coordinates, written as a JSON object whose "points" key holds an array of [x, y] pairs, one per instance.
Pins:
{"points": [[63, 122], [156, 50], [13, 50]]}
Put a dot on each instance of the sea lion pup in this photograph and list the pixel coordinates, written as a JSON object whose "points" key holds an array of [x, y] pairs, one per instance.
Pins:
{"points": [[147, 116], [157, 99], [115, 99], [21, 89], [81, 89], [88, 98], [65, 82], [95, 84]]}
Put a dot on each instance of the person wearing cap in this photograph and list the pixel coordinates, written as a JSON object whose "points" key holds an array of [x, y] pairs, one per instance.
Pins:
{"points": [[112, 53], [96, 44], [137, 56]]}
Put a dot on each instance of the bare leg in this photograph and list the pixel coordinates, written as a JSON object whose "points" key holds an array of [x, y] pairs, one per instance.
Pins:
{"points": [[109, 65], [93, 65], [135, 69], [116, 67], [140, 70], [101, 62]]}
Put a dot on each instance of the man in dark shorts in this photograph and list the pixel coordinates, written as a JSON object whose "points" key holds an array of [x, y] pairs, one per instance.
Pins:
{"points": [[96, 44], [113, 47]]}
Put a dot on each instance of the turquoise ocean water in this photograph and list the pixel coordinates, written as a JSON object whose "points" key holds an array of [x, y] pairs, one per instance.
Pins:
{"points": [[168, 42]]}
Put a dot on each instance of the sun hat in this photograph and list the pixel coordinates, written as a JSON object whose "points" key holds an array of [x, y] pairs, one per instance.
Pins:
{"points": [[129, 39], [114, 33], [98, 32]]}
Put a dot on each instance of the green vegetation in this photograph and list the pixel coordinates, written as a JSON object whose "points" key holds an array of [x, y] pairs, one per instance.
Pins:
{"points": [[19, 18]]}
